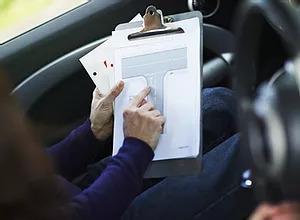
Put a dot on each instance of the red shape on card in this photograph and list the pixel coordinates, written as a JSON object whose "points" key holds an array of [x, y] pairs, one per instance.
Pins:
{"points": [[105, 63], [111, 65]]}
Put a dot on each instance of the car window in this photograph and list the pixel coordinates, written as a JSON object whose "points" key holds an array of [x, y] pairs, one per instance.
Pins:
{"points": [[19, 16]]}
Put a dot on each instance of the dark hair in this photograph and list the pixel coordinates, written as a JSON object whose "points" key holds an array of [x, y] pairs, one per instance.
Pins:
{"points": [[27, 182]]}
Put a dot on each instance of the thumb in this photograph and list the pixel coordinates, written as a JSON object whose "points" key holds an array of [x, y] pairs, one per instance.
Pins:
{"points": [[114, 92], [97, 93]]}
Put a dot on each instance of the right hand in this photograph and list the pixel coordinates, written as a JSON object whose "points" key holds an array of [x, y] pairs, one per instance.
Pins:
{"points": [[142, 121]]}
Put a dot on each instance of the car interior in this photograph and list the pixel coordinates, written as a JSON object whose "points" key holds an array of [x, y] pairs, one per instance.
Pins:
{"points": [[55, 91], [53, 87]]}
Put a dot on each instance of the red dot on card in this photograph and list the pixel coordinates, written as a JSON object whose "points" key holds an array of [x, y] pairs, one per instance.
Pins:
{"points": [[112, 65]]}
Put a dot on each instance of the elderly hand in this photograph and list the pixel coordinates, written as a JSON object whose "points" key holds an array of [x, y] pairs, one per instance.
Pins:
{"points": [[102, 111], [142, 121], [284, 211]]}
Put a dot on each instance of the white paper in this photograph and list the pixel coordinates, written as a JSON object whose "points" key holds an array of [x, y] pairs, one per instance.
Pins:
{"points": [[99, 63], [171, 66]]}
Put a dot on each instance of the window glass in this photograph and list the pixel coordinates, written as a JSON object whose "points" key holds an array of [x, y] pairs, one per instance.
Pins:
{"points": [[19, 16]]}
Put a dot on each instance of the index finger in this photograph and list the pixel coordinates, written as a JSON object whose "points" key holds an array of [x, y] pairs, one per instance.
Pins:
{"points": [[140, 97]]}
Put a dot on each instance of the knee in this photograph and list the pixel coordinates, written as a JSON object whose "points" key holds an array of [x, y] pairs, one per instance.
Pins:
{"points": [[218, 112], [219, 99]]}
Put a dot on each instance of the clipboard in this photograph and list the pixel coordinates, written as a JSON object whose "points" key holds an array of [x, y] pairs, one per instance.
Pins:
{"points": [[153, 26]]}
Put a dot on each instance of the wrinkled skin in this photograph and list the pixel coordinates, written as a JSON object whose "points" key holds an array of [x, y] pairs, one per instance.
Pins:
{"points": [[102, 111], [142, 121]]}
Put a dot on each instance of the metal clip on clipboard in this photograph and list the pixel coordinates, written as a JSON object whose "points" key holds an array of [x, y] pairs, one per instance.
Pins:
{"points": [[154, 27]]}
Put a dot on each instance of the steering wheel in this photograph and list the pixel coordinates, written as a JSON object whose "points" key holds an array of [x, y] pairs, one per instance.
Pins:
{"points": [[269, 116]]}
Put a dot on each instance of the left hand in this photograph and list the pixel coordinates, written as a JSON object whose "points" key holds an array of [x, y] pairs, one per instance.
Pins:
{"points": [[102, 111]]}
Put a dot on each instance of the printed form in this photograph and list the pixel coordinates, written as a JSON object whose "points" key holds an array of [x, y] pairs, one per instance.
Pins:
{"points": [[170, 65]]}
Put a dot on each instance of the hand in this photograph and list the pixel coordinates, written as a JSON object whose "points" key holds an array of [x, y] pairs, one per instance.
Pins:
{"points": [[284, 211], [102, 111], [142, 121]]}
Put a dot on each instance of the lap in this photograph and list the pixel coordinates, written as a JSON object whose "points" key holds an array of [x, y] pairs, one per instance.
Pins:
{"points": [[215, 190], [215, 193], [218, 112]]}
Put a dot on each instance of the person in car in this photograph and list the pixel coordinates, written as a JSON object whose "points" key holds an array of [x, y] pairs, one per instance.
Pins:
{"points": [[28, 187], [109, 195], [215, 193], [30, 191]]}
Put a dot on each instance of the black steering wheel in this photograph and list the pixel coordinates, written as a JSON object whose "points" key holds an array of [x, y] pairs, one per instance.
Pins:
{"points": [[269, 116]]}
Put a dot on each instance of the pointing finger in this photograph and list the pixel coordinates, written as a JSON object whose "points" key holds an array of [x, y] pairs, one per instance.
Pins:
{"points": [[140, 97]]}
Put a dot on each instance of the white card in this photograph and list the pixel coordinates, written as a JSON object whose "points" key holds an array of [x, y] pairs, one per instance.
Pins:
{"points": [[99, 63]]}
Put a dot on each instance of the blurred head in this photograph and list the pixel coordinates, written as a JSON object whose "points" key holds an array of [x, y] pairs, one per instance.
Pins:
{"points": [[27, 187]]}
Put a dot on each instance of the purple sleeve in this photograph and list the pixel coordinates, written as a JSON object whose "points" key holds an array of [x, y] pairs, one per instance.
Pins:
{"points": [[75, 152], [109, 196]]}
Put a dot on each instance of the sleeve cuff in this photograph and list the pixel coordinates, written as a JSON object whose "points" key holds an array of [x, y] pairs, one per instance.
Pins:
{"points": [[139, 152], [139, 146], [89, 134]]}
